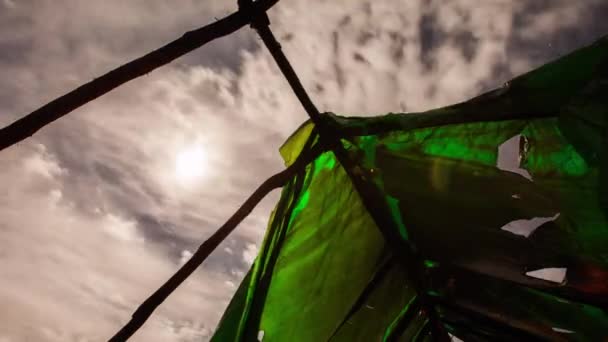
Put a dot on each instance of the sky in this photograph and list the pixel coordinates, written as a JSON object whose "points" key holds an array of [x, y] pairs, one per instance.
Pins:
{"points": [[102, 206]]}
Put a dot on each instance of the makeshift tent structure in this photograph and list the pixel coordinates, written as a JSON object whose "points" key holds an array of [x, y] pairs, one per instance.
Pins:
{"points": [[411, 227], [499, 252]]}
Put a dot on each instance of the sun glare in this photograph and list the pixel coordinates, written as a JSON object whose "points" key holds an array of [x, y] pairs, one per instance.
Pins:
{"points": [[190, 164]]}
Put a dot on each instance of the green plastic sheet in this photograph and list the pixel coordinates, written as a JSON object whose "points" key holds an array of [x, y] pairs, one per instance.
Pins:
{"points": [[326, 272]]}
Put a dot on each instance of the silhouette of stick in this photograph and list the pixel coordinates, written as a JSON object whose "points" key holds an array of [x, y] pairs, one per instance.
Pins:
{"points": [[33, 122], [145, 310]]}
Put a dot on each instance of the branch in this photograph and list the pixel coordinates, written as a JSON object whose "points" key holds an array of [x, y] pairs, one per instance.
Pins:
{"points": [[145, 310], [31, 123]]}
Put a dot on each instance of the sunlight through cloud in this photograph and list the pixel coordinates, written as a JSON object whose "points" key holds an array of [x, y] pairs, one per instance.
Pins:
{"points": [[190, 165]]}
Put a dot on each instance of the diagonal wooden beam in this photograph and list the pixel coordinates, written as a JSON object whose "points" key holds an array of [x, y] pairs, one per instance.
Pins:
{"points": [[33, 122], [145, 310]]}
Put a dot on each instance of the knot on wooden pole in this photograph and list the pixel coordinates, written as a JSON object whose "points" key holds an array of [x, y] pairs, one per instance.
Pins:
{"points": [[258, 16]]}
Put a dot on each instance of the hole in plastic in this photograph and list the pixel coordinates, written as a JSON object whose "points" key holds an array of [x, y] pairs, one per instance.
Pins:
{"points": [[454, 338], [527, 227], [552, 274], [512, 154]]}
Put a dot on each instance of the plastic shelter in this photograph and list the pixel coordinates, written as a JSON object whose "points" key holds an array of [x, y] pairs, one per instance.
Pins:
{"points": [[501, 201]]}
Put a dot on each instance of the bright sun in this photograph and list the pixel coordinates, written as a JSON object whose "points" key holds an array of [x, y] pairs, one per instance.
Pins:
{"points": [[190, 164]]}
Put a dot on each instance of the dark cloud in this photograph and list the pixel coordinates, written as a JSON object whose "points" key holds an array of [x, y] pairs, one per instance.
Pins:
{"points": [[550, 29], [430, 38]]}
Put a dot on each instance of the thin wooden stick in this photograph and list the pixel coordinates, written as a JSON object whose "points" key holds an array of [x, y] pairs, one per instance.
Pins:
{"points": [[33, 122], [145, 310]]}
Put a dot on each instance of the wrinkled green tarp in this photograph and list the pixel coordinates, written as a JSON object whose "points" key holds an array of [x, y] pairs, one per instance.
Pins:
{"points": [[325, 272]]}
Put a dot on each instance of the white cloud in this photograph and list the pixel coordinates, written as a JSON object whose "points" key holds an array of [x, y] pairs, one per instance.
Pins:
{"points": [[10, 4], [60, 267], [185, 256], [120, 229], [250, 252], [41, 164]]}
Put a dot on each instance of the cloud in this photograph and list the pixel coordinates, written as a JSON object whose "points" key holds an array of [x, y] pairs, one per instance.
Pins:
{"points": [[70, 275], [93, 214]]}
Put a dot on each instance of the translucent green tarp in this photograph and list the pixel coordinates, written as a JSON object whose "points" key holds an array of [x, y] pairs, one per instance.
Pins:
{"points": [[510, 250]]}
